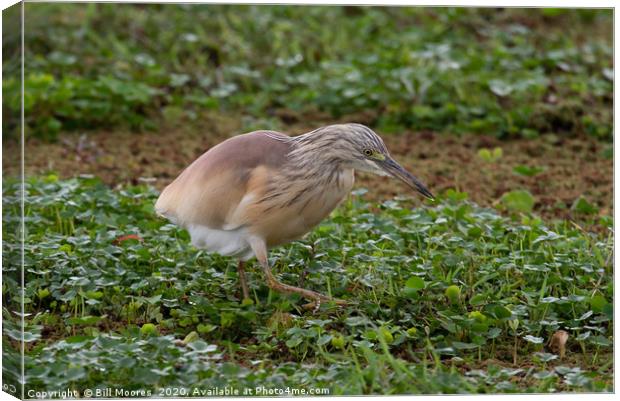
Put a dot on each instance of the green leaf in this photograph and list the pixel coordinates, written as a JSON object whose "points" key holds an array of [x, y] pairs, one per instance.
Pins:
{"points": [[490, 156], [485, 154], [84, 321], [460, 345], [500, 88], [477, 299], [356, 321], [324, 339], [201, 346], [294, 342], [413, 285], [600, 341], [455, 196], [190, 337], [528, 171], [583, 206], [545, 374], [494, 332], [205, 328], [502, 312], [533, 340], [78, 339], [148, 329], [154, 299], [545, 357], [583, 336], [518, 201]]}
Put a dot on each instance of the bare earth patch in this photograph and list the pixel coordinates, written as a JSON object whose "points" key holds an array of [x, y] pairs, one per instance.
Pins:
{"points": [[573, 167]]}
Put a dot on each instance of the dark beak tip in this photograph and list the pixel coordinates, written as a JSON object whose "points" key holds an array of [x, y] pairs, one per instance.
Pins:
{"points": [[424, 191], [397, 171], [428, 195]]}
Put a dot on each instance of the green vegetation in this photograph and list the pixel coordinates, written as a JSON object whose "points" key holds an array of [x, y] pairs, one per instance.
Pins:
{"points": [[510, 72], [449, 297]]}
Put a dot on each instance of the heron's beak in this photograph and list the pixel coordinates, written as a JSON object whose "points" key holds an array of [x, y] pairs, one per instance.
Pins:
{"points": [[396, 170]]}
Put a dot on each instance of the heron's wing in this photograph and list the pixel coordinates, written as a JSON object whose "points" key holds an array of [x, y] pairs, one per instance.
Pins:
{"points": [[214, 189]]}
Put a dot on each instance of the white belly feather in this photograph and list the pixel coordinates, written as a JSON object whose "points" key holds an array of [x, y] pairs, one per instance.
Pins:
{"points": [[225, 242]]}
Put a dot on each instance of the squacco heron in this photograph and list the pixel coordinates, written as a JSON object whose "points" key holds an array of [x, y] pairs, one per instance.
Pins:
{"points": [[255, 191]]}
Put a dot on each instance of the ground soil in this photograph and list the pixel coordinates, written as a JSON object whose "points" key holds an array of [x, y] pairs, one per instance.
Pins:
{"points": [[573, 167]]}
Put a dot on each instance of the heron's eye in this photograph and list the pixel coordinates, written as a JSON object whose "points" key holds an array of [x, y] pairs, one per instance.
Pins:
{"points": [[368, 152]]}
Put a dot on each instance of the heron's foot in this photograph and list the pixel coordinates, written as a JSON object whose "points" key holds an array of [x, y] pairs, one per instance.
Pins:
{"points": [[315, 297], [316, 304], [243, 283]]}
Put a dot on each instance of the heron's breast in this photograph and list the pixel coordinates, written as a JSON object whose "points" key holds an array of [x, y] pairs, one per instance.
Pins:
{"points": [[324, 200], [306, 207]]}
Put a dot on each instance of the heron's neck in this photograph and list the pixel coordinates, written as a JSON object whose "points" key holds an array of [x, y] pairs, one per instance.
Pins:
{"points": [[316, 161], [313, 169]]}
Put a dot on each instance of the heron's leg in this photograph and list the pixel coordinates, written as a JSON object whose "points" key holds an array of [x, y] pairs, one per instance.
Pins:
{"points": [[242, 280], [260, 250]]}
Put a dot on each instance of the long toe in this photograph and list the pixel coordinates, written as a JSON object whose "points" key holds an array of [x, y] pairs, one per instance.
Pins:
{"points": [[323, 300]]}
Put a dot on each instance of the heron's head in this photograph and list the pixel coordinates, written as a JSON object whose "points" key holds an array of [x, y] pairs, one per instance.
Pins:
{"points": [[360, 148]]}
